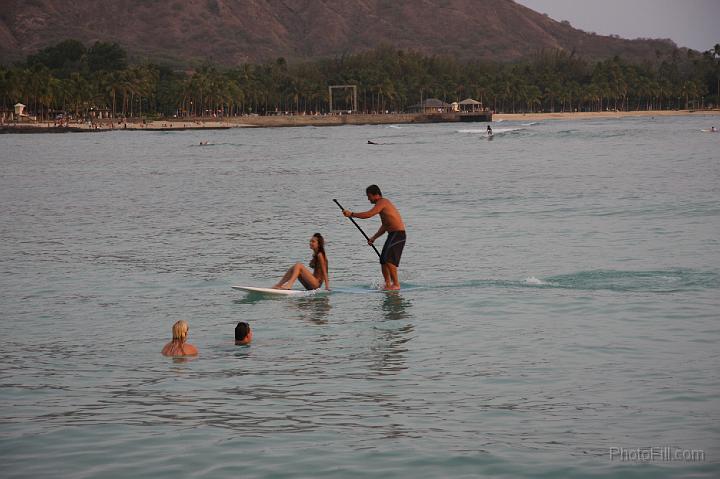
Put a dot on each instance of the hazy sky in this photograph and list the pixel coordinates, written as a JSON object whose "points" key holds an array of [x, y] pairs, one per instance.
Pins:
{"points": [[689, 23]]}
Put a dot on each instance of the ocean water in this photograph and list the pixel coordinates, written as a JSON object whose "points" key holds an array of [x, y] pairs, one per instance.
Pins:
{"points": [[560, 302]]}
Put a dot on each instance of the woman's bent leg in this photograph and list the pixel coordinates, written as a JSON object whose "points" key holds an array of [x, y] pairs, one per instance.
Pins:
{"points": [[298, 270], [308, 280], [285, 277]]}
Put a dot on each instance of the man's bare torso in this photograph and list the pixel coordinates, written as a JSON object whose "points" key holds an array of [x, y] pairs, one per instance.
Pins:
{"points": [[390, 216]]}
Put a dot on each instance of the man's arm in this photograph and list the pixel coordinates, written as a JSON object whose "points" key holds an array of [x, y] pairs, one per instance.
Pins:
{"points": [[379, 233], [365, 214], [324, 271]]}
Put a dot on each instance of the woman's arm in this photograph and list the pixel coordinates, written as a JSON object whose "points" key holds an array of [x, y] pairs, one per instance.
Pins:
{"points": [[324, 271]]}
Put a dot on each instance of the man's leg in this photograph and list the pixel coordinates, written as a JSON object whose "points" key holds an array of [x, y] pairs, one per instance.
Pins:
{"points": [[386, 275], [392, 269]]}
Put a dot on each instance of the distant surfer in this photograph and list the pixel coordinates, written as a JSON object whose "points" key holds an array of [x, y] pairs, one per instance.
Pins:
{"points": [[393, 225], [489, 131], [319, 264], [713, 129], [370, 142]]}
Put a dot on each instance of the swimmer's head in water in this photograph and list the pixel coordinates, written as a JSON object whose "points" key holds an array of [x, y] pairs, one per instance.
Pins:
{"points": [[243, 334], [180, 330]]}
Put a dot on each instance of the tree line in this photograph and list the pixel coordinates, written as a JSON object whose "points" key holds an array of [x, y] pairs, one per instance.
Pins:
{"points": [[73, 79]]}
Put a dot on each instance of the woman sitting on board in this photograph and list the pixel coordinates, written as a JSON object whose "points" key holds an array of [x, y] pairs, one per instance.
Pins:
{"points": [[311, 280], [178, 346]]}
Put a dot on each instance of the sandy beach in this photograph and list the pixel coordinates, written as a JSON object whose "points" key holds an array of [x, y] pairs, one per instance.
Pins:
{"points": [[598, 114], [319, 120]]}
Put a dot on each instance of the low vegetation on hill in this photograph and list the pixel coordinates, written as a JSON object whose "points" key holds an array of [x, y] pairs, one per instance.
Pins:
{"points": [[70, 78]]}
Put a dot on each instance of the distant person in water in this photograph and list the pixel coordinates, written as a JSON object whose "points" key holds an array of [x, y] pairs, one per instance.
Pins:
{"points": [[243, 334], [178, 346], [370, 142], [712, 129], [489, 131], [310, 279], [393, 225]]}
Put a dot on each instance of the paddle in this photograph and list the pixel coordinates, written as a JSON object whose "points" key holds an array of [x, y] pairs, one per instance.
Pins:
{"points": [[358, 227]]}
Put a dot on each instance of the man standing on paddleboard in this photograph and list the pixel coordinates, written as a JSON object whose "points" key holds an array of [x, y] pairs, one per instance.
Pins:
{"points": [[393, 224]]}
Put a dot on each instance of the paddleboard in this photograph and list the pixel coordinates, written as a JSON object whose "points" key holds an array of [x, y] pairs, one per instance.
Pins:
{"points": [[282, 292]]}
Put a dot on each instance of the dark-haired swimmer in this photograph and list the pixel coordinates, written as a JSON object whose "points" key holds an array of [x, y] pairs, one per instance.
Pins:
{"points": [[310, 279], [243, 334]]}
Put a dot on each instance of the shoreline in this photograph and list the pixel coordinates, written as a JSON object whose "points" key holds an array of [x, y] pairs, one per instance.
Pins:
{"points": [[326, 120]]}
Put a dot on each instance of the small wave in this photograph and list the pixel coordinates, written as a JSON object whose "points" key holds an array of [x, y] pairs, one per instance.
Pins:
{"points": [[496, 131], [661, 281], [532, 123]]}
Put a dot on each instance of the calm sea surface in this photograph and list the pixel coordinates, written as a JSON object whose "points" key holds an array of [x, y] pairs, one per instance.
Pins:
{"points": [[561, 301]]}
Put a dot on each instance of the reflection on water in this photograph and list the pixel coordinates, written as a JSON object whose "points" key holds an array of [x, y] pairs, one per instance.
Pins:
{"points": [[389, 346], [395, 306], [182, 359], [253, 297], [313, 309], [242, 351]]}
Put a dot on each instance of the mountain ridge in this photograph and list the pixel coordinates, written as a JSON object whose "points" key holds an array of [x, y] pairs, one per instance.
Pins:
{"points": [[231, 32]]}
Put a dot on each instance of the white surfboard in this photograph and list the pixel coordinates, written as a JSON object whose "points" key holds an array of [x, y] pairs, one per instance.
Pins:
{"points": [[285, 292]]}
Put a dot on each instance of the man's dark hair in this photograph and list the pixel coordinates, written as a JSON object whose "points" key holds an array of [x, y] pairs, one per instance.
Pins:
{"points": [[373, 190], [241, 331]]}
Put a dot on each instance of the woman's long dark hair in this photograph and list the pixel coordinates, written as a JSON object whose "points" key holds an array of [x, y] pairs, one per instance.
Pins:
{"points": [[321, 249]]}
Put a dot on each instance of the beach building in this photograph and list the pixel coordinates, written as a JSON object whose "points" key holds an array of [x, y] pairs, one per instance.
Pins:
{"points": [[470, 105], [20, 115], [6, 115], [430, 105], [100, 113]]}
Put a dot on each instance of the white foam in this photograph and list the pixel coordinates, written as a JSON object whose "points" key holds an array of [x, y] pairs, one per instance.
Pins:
{"points": [[534, 281], [377, 284], [484, 131]]}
